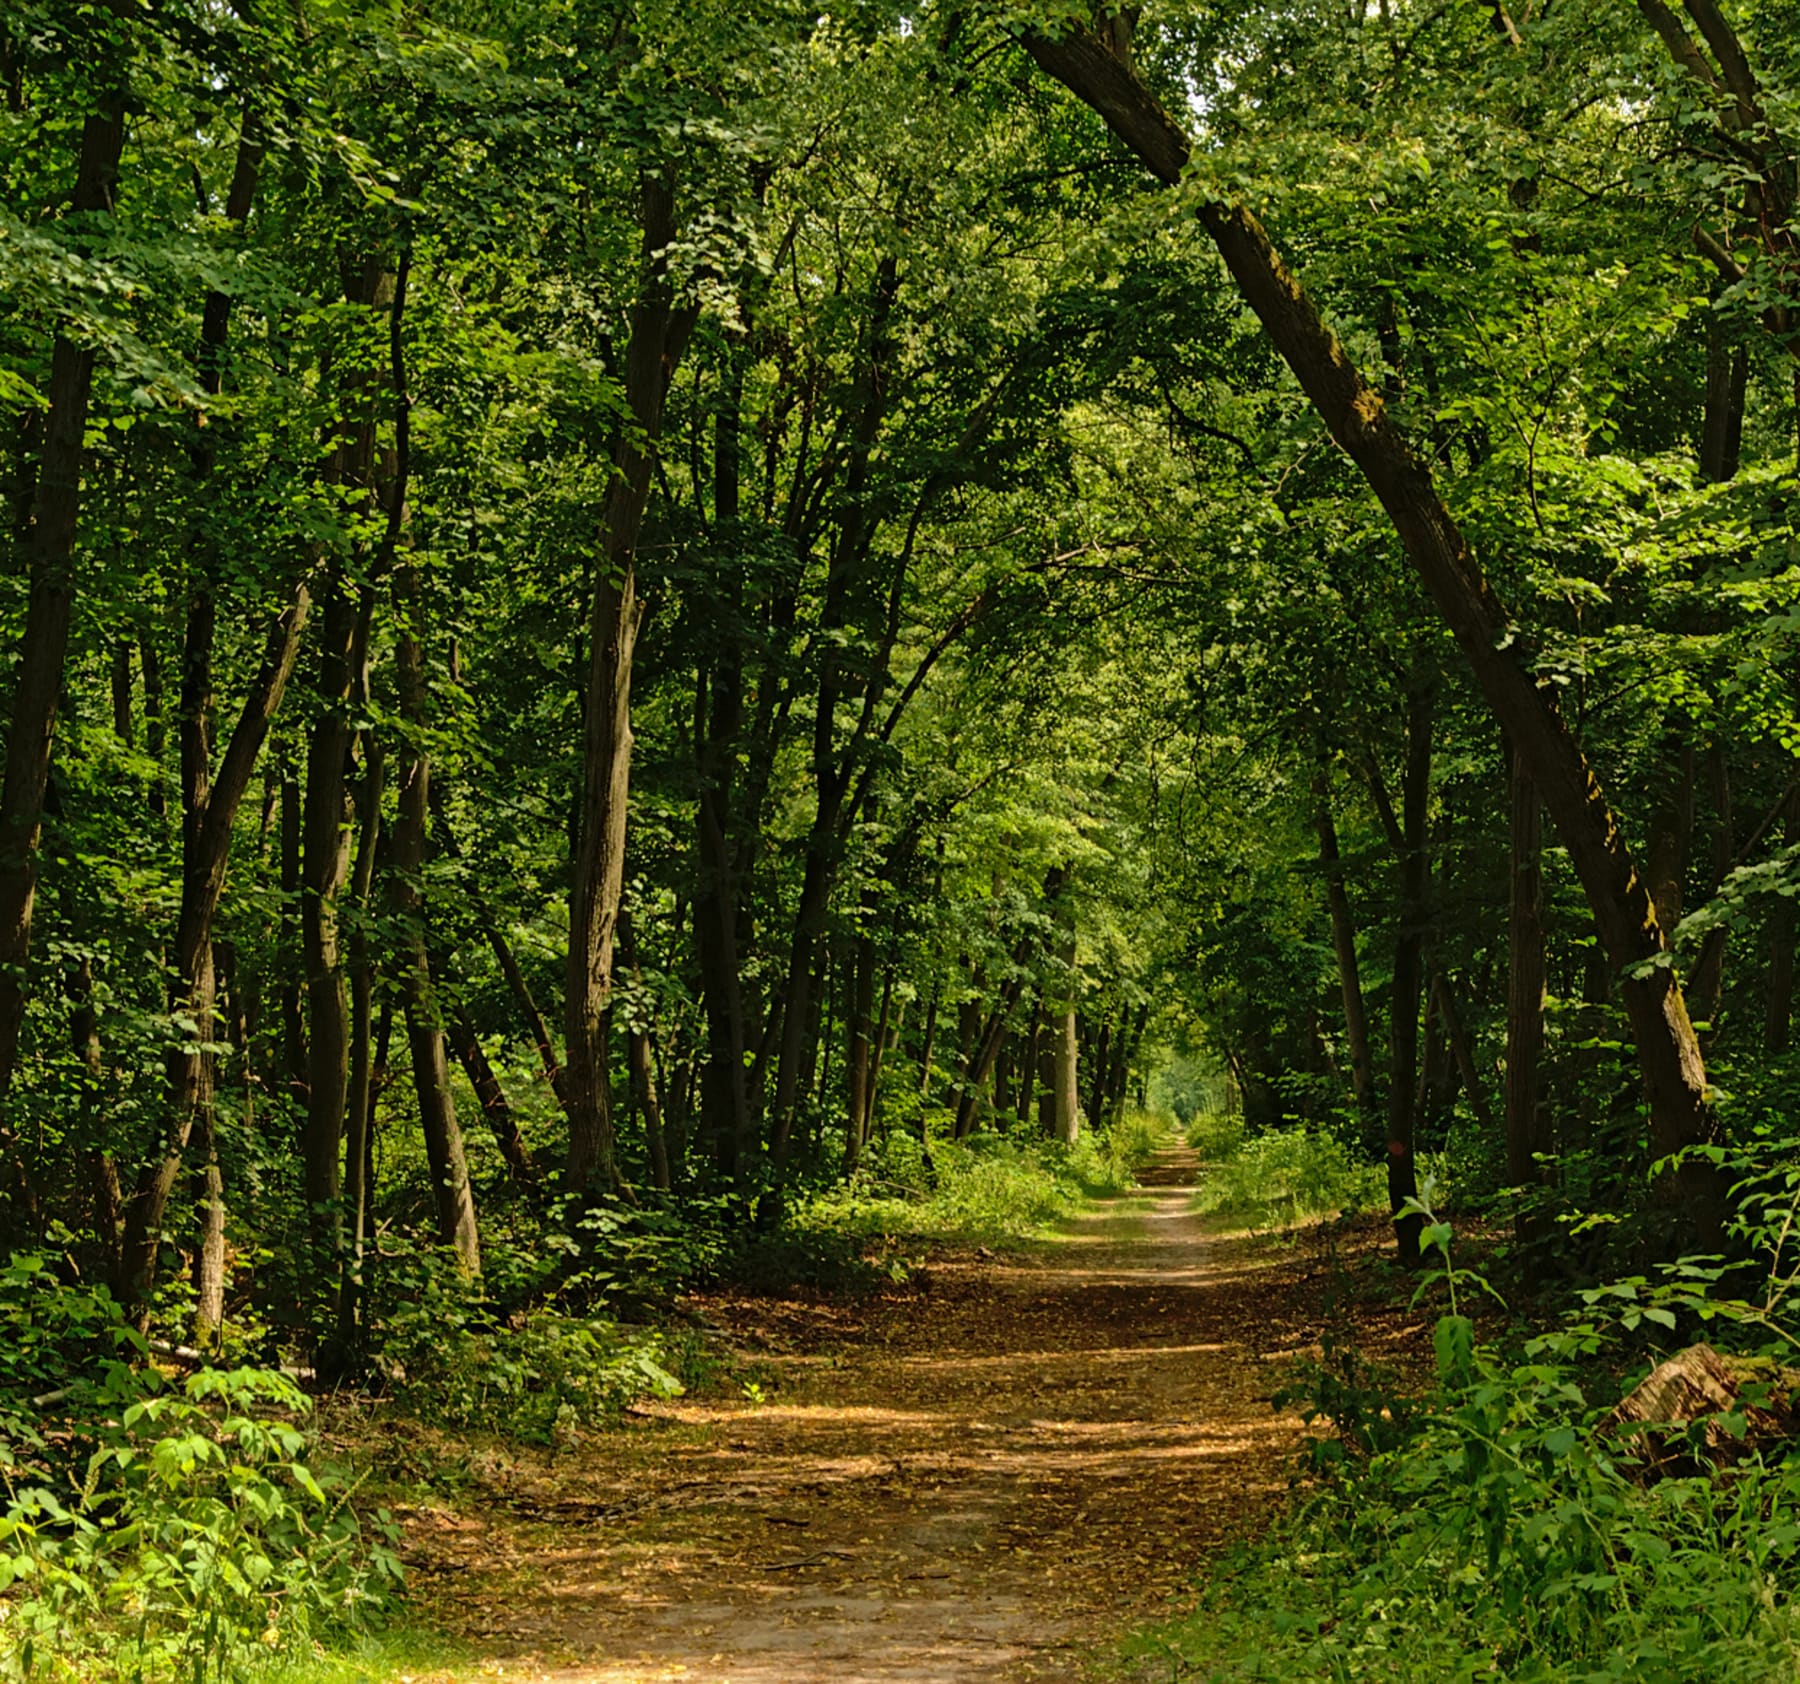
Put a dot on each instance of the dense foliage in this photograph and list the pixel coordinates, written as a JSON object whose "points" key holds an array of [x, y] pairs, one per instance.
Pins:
{"points": [[752, 598]]}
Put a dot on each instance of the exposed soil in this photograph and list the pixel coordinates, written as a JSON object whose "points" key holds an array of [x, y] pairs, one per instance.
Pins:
{"points": [[977, 1481]]}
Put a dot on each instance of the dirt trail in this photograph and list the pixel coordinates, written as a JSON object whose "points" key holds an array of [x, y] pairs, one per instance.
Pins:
{"points": [[975, 1483]]}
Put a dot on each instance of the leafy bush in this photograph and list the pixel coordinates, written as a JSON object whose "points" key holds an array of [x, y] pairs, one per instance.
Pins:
{"points": [[154, 1530], [1285, 1176], [463, 1360], [1216, 1135], [1503, 1528], [989, 1186], [535, 1381]]}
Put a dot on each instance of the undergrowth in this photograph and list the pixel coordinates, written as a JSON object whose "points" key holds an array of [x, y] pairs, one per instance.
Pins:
{"points": [[155, 1528], [1281, 1177], [565, 1336], [990, 1187], [1503, 1526]]}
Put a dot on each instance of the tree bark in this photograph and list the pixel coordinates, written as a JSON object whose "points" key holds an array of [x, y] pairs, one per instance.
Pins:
{"points": [[1409, 967], [1525, 981], [1668, 1050], [658, 334], [43, 647], [1343, 945]]}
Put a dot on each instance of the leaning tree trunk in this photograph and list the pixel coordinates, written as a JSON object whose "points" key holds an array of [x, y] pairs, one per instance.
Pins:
{"points": [[658, 333], [210, 801], [1668, 1051], [453, 1200]]}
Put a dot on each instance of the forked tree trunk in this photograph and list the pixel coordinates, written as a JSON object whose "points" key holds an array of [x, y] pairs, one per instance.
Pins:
{"points": [[1668, 1050], [210, 800]]}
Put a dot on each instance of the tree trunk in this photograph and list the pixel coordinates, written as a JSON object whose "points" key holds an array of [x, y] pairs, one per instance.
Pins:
{"points": [[1778, 1008], [1668, 1050], [209, 1255], [345, 622], [491, 1096], [1064, 1084], [359, 1100], [290, 1007], [209, 809], [658, 334], [725, 1097], [928, 1041], [832, 768], [1100, 1061], [453, 1197], [640, 1052], [1706, 986], [1525, 982], [1343, 944], [1409, 967], [859, 1052], [43, 647], [1031, 1077], [516, 984], [886, 1032]]}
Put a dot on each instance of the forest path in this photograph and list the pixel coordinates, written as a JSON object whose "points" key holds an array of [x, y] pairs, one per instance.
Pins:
{"points": [[974, 1482]]}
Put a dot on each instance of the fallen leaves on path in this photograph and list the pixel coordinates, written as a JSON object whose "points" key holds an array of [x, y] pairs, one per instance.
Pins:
{"points": [[973, 1481]]}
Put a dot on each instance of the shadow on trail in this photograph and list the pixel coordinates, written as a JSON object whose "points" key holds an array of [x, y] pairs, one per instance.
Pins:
{"points": [[1036, 1449]]}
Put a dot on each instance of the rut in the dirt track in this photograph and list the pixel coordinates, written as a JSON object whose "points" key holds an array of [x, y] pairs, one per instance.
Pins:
{"points": [[973, 1484]]}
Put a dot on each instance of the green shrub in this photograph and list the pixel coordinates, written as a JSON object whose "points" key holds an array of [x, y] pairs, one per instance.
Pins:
{"points": [[199, 1543], [1216, 1135], [535, 1382], [990, 1186], [1501, 1528], [1285, 1176], [460, 1360]]}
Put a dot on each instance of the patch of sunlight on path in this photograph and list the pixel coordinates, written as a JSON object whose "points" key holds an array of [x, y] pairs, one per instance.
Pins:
{"points": [[981, 1479]]}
